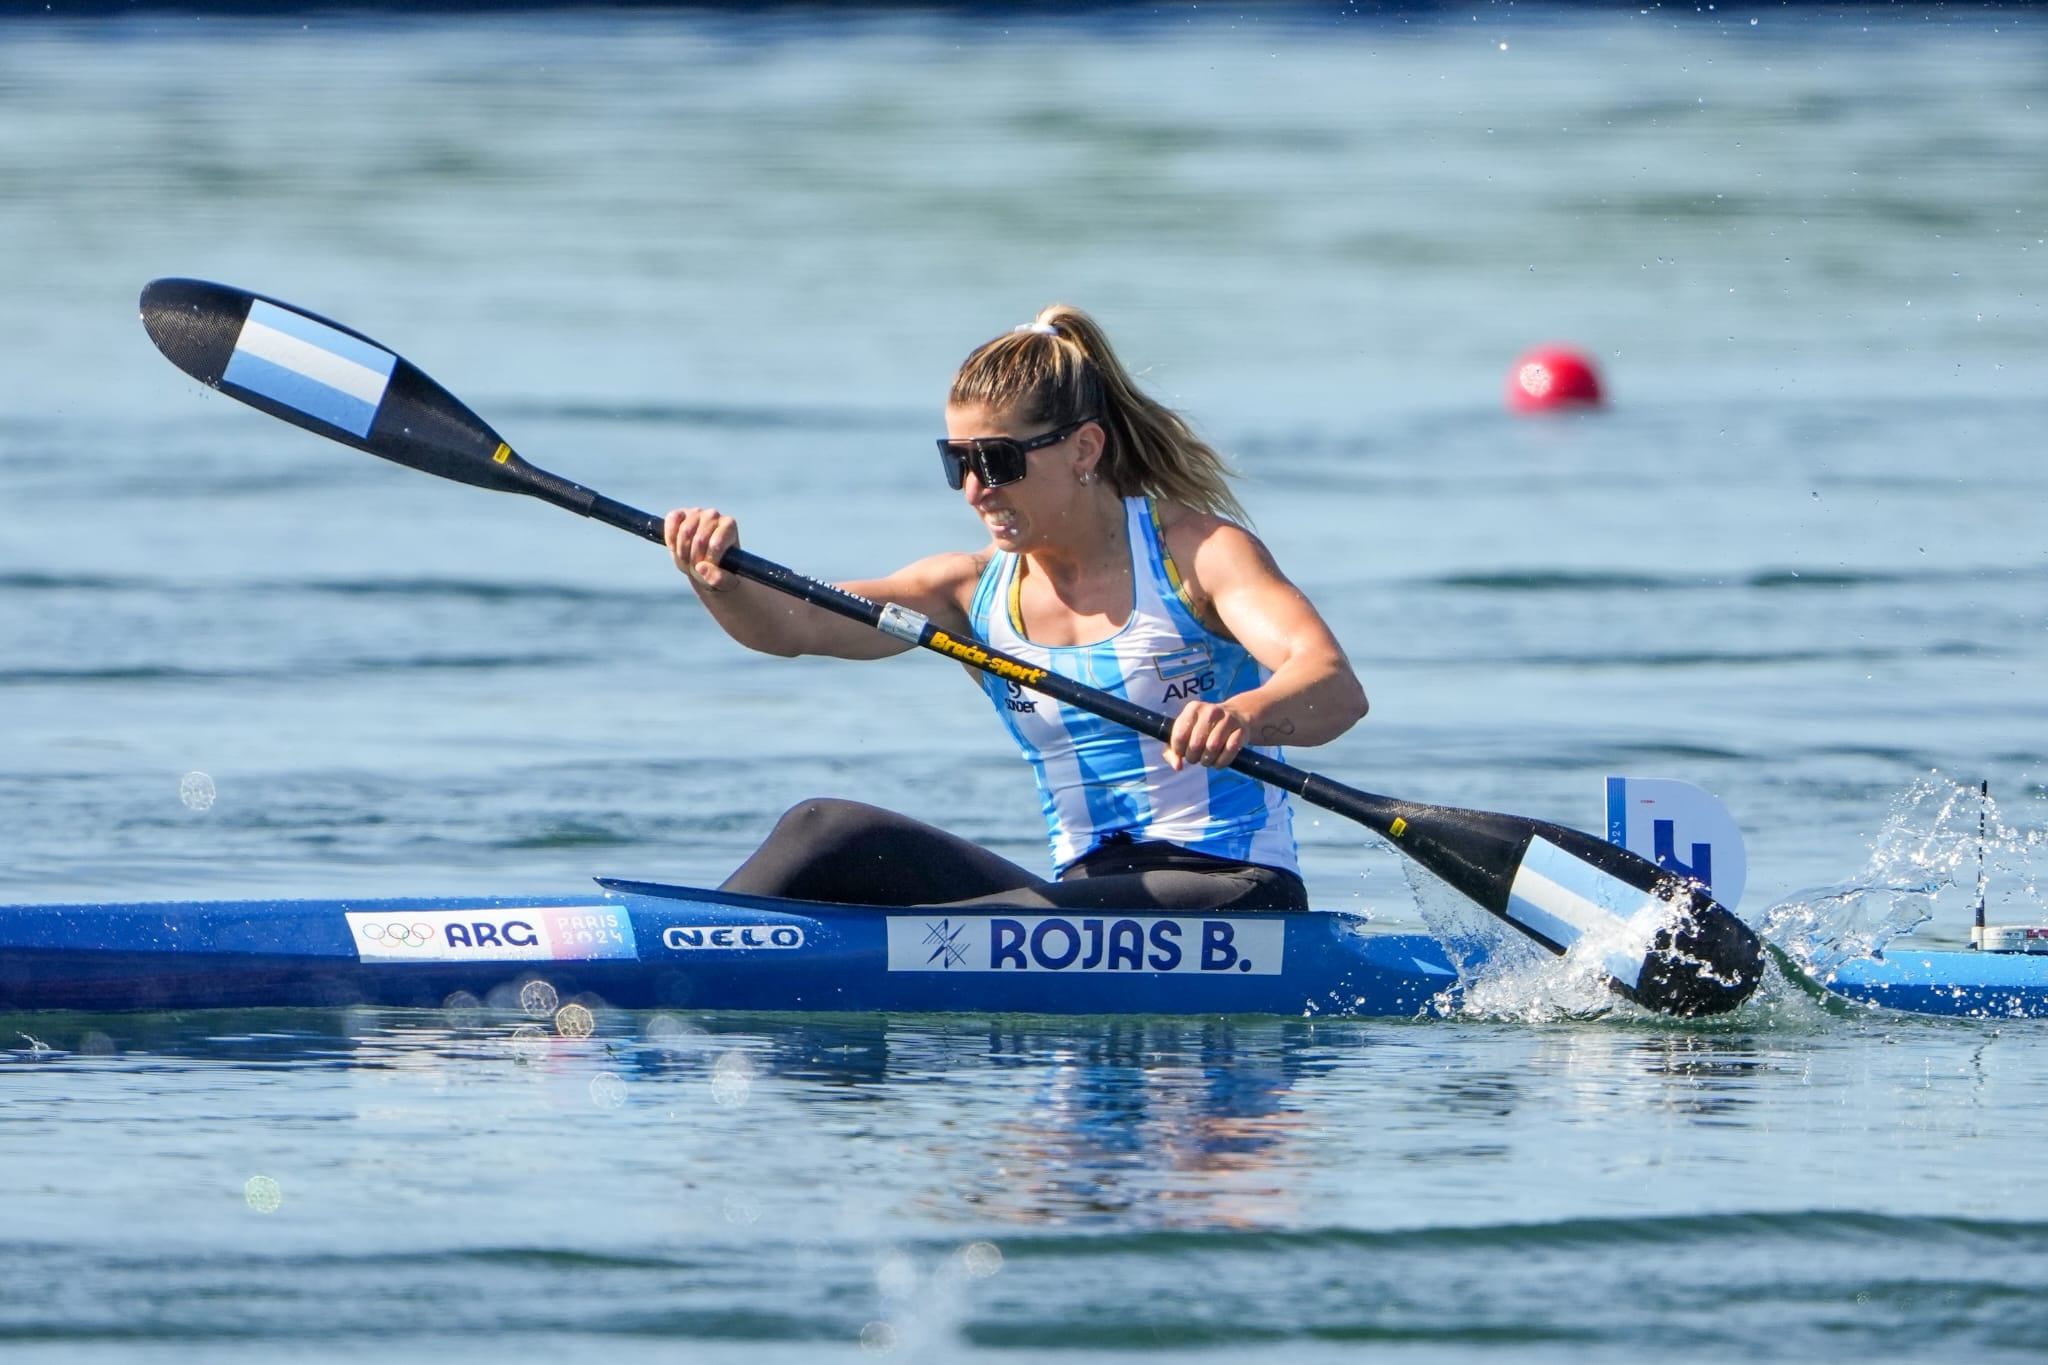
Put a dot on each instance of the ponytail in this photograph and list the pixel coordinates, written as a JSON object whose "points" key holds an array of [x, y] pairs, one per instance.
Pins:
{"points": [[1060, 369]]}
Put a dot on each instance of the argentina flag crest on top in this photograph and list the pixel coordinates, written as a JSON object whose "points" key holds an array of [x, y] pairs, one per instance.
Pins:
{"points": [[307, 365]]}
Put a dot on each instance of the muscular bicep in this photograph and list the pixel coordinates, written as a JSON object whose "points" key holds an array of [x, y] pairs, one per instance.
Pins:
{"points": [[1245, 593]]}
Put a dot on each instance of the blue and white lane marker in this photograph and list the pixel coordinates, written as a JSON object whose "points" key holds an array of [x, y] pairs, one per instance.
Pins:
{"points": [[1565, 899], [326, 374]]}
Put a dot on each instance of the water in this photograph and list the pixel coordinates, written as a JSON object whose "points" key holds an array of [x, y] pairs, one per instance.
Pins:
{"points": [[730, 259]]}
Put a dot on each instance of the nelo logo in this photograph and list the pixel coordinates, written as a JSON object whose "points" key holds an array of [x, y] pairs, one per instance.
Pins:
{"points": [[686, 937]]}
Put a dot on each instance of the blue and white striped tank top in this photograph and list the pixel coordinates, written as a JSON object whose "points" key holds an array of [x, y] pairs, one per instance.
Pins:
{"points": [[1096, 778]]}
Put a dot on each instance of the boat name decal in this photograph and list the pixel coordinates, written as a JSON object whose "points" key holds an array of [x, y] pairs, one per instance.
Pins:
{"points": [[526, 933], [683, 937], [1191, 945]]}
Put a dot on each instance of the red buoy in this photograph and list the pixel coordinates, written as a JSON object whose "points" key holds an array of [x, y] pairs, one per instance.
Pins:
{"points": [[1549, 378]]}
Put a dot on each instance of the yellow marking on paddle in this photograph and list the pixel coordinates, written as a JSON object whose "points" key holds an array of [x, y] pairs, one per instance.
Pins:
{"points": [[1398, 828], [504, 453], [975, 655]]}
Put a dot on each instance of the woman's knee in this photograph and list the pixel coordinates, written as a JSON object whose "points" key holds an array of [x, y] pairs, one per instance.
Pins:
{"points": [[826, 821]]}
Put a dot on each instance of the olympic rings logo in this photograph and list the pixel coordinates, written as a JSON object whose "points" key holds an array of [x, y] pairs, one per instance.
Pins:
{"points": [[415, 935]]}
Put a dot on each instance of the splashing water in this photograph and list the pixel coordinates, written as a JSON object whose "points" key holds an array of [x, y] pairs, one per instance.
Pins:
{"points": [[1944, 847], [1502, 974], [1505, 975], [2010, 870], [1924, 860]]}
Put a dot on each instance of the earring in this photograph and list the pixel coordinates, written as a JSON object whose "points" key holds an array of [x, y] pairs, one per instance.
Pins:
{"points": [[1087, 476]]}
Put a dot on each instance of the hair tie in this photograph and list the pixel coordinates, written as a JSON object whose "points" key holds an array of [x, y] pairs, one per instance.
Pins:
{"points": [[1044, 329]]}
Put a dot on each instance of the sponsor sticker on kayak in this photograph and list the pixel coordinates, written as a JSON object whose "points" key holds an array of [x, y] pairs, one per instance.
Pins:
{"points": [[679, 938], [1187, 944], [526, 933]]}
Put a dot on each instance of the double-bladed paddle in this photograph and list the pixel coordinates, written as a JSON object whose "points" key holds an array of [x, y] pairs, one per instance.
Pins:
{"points": [[1661, 939]]}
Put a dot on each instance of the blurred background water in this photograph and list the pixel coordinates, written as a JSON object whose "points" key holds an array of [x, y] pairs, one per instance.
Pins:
{"points": [[732, 257]]}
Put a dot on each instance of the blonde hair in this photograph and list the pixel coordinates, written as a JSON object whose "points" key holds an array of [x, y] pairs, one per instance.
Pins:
{"points": [[1060, 369]]}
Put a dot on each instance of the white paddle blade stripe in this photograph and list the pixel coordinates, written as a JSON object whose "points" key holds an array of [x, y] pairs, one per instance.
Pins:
{"points": [[1566, 899], [307, 365]]}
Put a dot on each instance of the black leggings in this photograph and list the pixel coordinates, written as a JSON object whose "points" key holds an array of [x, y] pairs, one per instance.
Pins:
{"points": [[855, 854]]}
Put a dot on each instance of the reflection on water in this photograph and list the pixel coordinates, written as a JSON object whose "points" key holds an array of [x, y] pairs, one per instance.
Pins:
{"points": [[1013, 1181], [1153, 1122], [1159, 1123]]}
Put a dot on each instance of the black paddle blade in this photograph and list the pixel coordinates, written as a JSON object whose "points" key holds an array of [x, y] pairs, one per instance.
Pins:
{"points": [[1701, 960], [326, 378], [1663, 941]]}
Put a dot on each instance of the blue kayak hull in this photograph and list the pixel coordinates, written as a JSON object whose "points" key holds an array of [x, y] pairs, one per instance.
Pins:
{"points": [[1972, 984], [645, 946]]}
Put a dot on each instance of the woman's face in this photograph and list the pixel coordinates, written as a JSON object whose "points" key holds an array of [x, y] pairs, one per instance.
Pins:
{"points": [[1019, 515]]}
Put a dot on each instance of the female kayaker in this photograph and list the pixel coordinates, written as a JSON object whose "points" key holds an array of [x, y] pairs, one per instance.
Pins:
{"points": [[1116, 557]]}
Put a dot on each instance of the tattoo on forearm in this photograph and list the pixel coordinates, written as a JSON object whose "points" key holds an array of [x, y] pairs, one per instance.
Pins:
{"points": [[1276, 731]]}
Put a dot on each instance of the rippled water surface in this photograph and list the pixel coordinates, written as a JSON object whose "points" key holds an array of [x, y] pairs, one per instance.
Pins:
{"points": [[731, 258]]}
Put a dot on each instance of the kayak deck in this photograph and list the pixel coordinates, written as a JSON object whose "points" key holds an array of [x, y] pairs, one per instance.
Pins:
{"points": [[643, 945], [1968, 983]]}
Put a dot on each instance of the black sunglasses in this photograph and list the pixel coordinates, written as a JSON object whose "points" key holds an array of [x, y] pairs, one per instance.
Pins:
{"points": [[997, 460]]}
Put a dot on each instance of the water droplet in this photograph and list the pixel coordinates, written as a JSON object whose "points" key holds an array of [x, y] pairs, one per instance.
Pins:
{"points": [[608, 1090], [981, 1259], [878, 1338], [263, 1194], [538, 998], [673, 1034], [196, 791], [731, 1080], [896, 1277], [574, 1021], [529, 1042]]}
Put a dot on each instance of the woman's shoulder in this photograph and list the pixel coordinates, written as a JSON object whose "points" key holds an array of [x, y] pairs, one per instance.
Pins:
{"points": [[1215, 557], [1193, 536]]}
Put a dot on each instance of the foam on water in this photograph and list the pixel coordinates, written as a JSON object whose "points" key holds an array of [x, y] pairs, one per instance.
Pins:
{"points": [[1502, 973]]}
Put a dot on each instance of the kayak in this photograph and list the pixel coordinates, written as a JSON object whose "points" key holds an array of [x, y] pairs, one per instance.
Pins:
{"points": [[643, 945], [646, 945], [1971, 982]]}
